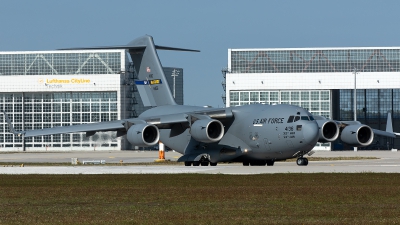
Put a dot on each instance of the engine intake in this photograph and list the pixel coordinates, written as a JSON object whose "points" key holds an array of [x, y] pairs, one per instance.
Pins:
{"points": [[143, 135], [357, 135], [207, 131], [328, 131]]}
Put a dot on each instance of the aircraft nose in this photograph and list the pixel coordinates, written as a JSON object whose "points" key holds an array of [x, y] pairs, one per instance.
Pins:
{"points": [[310, 133]]}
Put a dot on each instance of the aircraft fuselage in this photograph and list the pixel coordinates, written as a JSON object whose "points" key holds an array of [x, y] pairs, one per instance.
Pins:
{"points": [[256, 132]]}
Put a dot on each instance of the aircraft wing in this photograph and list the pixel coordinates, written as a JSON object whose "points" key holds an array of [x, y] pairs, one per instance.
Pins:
{"points": [[161, 121], [90, 127], [387, 133], [389, 128]]}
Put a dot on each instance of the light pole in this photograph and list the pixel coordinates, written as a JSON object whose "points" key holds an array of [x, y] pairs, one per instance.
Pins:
{"points": [[174, 74], [355, 93], [355, 98]]}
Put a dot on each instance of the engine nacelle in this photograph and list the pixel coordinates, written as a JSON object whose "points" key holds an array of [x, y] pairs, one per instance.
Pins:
{"points": [[143, 135], [328, 131], [207, 131], [357, 135]]}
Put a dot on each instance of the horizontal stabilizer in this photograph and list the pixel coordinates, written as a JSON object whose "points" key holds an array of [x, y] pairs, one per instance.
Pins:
{"points": [[139, 43], [131, 47], [175, 49]]}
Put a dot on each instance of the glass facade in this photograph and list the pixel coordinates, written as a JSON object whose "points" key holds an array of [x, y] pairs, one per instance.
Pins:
{"points": [[315, 61], [30, 111], [60, 63], [315, 101], [371, 104]]}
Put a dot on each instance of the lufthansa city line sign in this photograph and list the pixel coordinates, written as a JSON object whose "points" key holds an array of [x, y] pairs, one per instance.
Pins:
{"points": [[57, 83]]}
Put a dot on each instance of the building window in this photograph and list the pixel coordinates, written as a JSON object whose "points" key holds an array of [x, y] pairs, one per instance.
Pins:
{"points": [[54, 110]]}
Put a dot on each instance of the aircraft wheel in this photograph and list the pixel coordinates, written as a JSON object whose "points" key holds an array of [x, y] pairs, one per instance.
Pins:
{"points": [[188, 163], [213, 164], [302, 161], [196, 163], [246, 163], [270, 162], [258, 163], [204, 163]]}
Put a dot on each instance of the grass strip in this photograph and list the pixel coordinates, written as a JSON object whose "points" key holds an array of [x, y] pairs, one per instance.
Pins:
{"points": [[364, 198]]}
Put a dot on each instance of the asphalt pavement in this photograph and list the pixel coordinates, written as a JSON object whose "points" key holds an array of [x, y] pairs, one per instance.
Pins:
{"points": [[387, 162]]}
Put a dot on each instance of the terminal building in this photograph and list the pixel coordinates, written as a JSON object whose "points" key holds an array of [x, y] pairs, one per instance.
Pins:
{"points": [[321, 80], [43, 89]]}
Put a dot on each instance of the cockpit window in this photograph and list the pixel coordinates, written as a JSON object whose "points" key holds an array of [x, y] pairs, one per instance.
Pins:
{"points": [[290, 120], [296, 118], [312, 118], [305, 118]]}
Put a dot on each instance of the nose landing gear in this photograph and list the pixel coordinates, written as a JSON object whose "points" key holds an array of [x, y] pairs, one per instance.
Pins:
{"points": [[302, 161]]}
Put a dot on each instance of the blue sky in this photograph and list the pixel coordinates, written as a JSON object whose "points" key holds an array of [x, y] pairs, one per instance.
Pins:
{"points": [[211, 26]]}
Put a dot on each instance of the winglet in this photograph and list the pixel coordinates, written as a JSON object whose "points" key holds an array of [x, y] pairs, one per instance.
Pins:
{"points": [[11, 126], [389, 125]]}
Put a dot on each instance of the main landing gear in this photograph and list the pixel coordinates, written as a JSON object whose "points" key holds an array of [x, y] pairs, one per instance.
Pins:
{"points": [[302, 161], [198, 163]]}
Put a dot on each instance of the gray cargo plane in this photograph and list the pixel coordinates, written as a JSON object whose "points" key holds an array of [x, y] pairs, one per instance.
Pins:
{"points": [[253, 134]]}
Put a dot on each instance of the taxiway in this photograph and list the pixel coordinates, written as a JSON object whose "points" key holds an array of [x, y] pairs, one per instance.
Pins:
{"points": [[388, 162]]}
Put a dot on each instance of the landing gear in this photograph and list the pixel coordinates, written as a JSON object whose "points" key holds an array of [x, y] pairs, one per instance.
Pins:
{"points": [[270, 162], [204, 163], [258, 163], [198, 163], [302, 161]]}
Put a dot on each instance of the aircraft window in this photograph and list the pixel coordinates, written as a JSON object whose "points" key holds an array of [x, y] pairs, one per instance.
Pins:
{"points": [[290, 120], [296, 118], [311, 118], [305, 118]]}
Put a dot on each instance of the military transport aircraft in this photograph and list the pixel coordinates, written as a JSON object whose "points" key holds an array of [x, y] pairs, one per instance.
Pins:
{"points": [[253, 134]]}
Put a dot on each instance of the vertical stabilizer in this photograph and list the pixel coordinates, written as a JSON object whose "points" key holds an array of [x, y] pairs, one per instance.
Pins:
{"points": [[151, 84]]}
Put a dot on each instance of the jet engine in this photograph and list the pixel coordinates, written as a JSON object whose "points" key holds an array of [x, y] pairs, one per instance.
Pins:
{"points": [[143, 135], [357, 135], [328, 131], [207, 130]]}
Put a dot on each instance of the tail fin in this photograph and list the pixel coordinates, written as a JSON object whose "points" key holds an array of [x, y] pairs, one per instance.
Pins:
{"points": [[152, 83]]}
